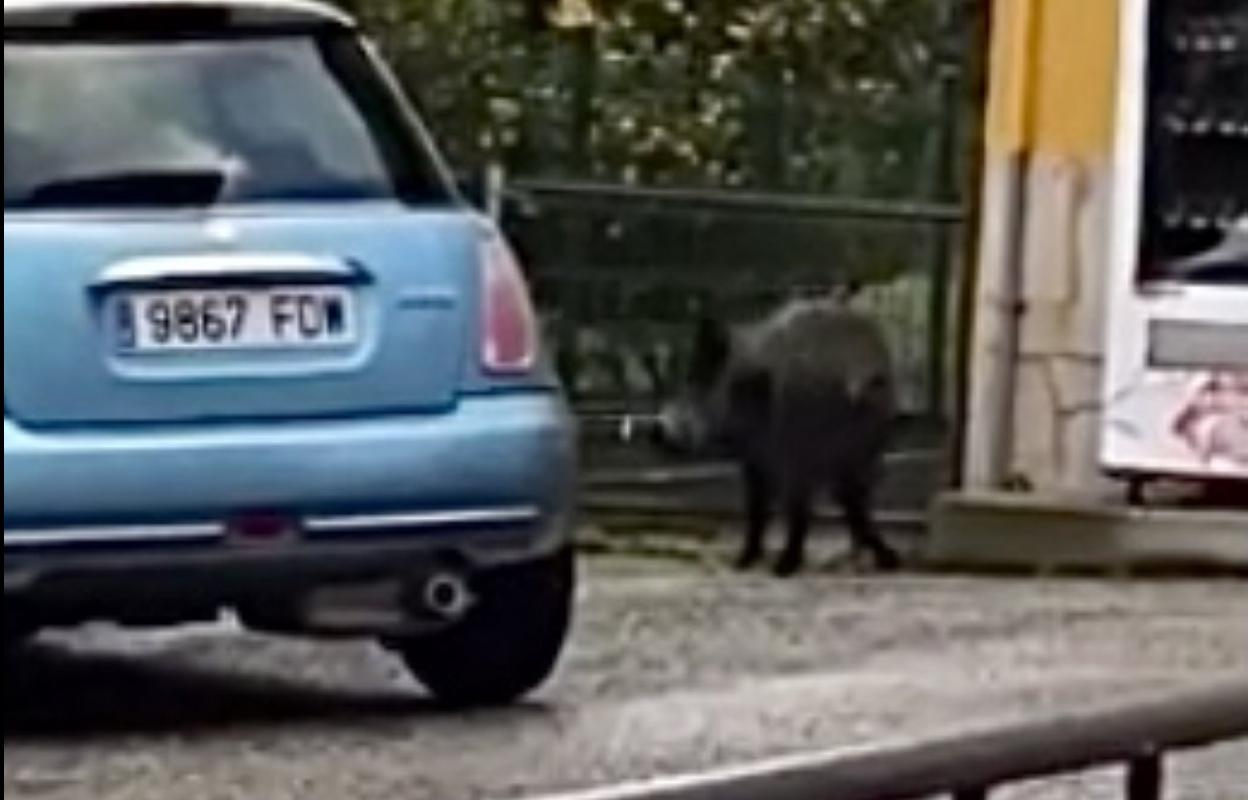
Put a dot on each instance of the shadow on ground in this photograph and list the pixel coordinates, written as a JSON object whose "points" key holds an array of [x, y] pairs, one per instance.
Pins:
{"points": [[54, 694]]}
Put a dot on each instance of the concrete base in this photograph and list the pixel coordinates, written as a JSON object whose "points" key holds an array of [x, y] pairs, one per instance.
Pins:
{"points": [[1011, 532]]}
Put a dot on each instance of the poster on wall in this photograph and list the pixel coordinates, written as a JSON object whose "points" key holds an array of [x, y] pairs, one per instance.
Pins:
{"points": [[1183, 424]]}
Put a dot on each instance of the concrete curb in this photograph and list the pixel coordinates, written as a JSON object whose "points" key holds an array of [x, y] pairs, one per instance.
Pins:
{"points": [[1007, 532]]}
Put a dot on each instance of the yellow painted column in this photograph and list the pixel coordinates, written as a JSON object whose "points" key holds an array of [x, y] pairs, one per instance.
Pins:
{"points": [[1077, 82], [1012, 63], [1054, 76], [1050, 133]]}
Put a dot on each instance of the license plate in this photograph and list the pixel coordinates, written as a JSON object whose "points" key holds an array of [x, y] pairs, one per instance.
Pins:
{"points": [[245, 319]]}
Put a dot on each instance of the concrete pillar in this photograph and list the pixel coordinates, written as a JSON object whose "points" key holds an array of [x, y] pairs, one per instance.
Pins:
{"points": [[1040, 307]]}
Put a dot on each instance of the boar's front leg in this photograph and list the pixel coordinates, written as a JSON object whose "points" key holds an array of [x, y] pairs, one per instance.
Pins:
{"points": [[759, 507]]}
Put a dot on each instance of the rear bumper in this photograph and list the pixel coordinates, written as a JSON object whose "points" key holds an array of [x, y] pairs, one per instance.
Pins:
{"points": [[158, 585], [488, 485]]}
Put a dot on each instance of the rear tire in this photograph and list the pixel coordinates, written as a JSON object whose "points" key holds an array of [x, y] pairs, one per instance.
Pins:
{"points": [[508, 645]]}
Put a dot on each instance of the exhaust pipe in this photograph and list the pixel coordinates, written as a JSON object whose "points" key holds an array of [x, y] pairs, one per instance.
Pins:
{"points": [[393, 606], [446, 595]]}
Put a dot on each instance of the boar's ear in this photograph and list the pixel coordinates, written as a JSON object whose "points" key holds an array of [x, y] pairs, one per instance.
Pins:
{"points": [[712, 347]]}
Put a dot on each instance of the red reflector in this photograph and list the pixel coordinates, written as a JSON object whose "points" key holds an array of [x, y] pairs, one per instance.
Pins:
{"points": [[261, 528]]}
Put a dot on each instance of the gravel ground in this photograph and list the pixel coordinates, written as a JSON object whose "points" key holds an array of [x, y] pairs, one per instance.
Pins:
{"points": [[672, 669]]}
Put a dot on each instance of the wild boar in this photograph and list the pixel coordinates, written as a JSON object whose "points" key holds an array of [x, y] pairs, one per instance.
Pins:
{"points": [[804, 401]]}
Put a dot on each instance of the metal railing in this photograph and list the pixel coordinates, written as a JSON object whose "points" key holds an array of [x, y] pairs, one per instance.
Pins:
{"points": [[973, 767], [686, 200]]}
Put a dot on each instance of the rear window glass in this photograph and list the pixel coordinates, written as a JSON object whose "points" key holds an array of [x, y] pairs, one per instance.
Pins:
{"points": [[256, 119]]}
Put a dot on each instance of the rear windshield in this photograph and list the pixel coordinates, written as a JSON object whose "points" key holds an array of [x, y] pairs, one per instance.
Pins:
{"points": [[228, 120]]}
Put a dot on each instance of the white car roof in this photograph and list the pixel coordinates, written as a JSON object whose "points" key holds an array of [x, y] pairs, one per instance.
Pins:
{"points": [[54, 13]]}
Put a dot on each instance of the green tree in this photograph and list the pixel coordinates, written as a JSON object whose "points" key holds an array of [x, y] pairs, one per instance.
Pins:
{"points": [[834, 96]]}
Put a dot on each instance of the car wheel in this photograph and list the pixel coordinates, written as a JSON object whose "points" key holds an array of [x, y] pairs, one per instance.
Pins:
{"points": [[507, 645]]}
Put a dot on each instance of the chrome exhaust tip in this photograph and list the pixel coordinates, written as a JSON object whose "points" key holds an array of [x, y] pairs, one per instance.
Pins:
{"points": [[447, 596]]}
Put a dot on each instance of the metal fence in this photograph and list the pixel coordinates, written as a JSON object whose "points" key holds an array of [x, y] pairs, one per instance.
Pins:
{"points": [[973, 767], [620, 271]]}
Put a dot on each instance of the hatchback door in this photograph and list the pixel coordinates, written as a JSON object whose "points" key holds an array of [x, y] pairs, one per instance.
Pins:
{"points": [[237, 224], [307, 315]]}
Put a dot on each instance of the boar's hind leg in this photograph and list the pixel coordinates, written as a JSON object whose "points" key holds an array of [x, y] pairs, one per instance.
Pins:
{"points": [[759, 499], [799, 503], [855, 496]]}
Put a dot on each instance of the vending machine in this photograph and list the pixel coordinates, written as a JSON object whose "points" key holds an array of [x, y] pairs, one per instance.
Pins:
{"points": [[1176, 377]]}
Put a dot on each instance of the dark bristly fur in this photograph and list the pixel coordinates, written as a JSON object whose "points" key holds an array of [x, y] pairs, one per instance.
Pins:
{"points": [[805, 402]]}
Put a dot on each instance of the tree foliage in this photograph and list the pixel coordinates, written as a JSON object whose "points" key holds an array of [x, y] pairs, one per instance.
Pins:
{"points": [[831, 96]]}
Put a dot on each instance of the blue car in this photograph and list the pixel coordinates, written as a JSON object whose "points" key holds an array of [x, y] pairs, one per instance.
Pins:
{"points": [[259, 356]]}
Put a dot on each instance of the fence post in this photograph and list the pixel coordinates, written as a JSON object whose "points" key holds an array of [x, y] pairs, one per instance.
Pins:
{"points": [[946, 146], [943, 252], [495, 191]]}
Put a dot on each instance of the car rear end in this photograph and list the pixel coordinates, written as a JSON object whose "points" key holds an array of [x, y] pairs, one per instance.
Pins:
{"points": [[257, 354]]}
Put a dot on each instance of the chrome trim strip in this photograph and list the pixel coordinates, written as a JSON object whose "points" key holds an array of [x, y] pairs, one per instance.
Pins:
{"points": [[513, 515], [214, 532], [225, 268], [139, 534]]}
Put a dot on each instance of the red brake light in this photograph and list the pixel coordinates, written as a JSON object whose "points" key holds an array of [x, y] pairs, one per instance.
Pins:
{"points": [[511, 336]]}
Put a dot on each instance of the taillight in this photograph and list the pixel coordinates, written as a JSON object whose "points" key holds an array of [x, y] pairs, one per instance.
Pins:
{"points": [[511, 337]]}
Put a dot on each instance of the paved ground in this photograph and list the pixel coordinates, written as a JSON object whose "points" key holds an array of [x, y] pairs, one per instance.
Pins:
{"points": [[672, 669]]}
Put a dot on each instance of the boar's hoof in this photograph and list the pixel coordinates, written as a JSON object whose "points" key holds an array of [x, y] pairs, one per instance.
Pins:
{"points": [[789, 566], [888, 560], [882, 559], [748, 559]]}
